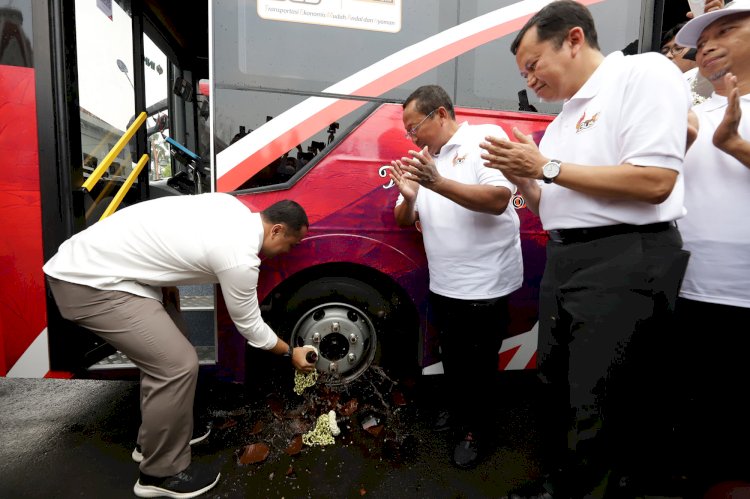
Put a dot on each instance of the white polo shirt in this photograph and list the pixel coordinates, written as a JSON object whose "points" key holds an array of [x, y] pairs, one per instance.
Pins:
{"points": [[631, 110], [716, 229], [470, 255], [214, 238]]}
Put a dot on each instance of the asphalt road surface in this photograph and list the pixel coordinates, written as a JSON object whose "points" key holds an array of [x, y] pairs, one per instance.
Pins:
{"points": [[73, 439]]}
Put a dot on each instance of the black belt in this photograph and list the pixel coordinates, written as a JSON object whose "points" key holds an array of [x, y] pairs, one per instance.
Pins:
{"points": [[567, 236]]}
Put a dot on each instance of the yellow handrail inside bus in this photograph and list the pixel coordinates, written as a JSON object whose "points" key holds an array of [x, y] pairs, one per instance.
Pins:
{"points": [[104, 192], [111, 155], [125, 186]]}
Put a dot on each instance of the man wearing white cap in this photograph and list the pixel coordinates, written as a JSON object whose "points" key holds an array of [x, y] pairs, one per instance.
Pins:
{"points": [[714, 304]]}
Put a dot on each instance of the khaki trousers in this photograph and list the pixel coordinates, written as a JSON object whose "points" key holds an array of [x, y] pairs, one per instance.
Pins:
{"points": [[143, 329]]}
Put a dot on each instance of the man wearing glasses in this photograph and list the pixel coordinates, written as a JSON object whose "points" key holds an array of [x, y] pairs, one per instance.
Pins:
{"points": [[471, 238], [684, 57]]}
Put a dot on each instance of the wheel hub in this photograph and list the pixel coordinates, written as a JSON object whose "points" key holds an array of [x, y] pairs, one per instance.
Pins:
{"points": [[344, 336]]}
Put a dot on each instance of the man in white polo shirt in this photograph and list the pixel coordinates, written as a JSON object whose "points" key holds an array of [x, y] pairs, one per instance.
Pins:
{"points": [[473, 246], [610, 163], [714, 307]]}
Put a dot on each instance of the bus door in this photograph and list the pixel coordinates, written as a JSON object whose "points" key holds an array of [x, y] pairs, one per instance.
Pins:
{"points": [[131, 61]]}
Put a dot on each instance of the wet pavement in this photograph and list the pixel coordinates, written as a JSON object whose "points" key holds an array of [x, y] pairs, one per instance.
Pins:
{"points": [[73, 438]]}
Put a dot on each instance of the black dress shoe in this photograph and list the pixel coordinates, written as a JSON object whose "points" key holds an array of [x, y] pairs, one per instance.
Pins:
{"points": [[541, 495], [540, 489], [466, 453], [442, 422]]}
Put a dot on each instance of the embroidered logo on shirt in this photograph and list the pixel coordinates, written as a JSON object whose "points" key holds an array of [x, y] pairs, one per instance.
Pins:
{"points": [[585, 124], [457, 160]]}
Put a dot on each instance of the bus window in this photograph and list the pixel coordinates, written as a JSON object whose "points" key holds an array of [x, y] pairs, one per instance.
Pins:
{"points": [[487, 77], [266, 64], [157, 125], [106, 93]]}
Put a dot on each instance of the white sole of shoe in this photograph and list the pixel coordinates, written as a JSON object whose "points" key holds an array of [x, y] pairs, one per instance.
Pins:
{"points": [[138, 456], [200, 438], [153, 491]]}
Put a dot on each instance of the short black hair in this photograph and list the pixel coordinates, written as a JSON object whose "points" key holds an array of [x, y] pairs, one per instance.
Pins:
{"points": [[286, 212], [671, 33], [554, 22], [430, 97]]}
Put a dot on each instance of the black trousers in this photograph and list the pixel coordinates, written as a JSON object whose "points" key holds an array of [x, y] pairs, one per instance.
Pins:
{"points": [[605, 305], [470, 332], [711, 344]]}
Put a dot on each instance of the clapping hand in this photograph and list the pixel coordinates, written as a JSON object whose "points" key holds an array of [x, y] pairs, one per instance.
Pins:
{"points": [[405, 184], [727, 133], [517, 160], [420, 168]]}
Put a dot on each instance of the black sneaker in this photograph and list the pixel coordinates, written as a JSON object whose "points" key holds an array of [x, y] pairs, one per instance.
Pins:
{"points": [[466, 453], [199, 435], [191, 482], [538, 489]]}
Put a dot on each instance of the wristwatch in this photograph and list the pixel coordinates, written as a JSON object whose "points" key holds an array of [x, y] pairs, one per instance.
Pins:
{"points": [[288, 353], [551, 170]]}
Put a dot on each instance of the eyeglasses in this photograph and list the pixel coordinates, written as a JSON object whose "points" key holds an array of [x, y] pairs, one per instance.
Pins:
{"points": [[673, 50], [413, 131]]}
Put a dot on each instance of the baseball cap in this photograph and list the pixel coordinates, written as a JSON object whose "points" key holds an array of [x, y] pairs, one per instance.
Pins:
{"points": [[689, 34]]}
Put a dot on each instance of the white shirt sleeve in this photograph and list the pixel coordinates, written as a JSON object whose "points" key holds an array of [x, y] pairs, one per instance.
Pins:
{"points": [[654, 115], [239, 288], [485, 175]]}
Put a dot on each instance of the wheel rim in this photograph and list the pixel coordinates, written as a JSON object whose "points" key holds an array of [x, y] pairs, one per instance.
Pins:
{"points": [[344, 336]]}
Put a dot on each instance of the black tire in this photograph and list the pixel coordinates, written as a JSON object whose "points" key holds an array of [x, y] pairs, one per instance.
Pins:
{"points": [[346, 319]]}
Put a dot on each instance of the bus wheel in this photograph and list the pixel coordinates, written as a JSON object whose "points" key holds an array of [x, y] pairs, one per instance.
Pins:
{"points": [[344, 319]]}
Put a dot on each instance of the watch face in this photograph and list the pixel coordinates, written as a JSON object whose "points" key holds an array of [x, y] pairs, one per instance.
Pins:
{"points": [[551, 169]]}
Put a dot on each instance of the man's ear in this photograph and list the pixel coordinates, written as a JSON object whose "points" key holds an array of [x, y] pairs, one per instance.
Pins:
{"points": [[442, 112], [576, 38], [278, 229]]}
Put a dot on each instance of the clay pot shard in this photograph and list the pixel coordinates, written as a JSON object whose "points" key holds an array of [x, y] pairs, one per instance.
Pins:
{"points": [[295, 446], [254, 453]]}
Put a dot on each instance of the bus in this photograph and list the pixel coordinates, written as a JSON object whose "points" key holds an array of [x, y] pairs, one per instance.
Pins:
{"points": [[119, 101]]}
